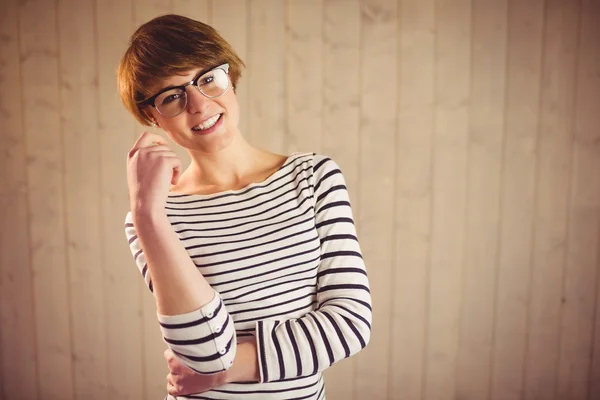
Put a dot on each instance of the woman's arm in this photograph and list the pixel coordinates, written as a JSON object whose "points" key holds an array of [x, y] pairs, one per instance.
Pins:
{"points": [[192, 316], [341, 324]]}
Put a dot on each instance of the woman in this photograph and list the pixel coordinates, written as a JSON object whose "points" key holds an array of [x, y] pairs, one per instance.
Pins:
{"points": [[252, 256]]}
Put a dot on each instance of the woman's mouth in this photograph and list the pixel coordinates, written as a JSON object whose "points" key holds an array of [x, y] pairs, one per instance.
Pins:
{"points": [[209, 125]]}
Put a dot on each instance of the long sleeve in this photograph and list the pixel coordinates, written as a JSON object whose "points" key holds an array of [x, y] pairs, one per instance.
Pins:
{"points": [[340, 325], [205, 339]]}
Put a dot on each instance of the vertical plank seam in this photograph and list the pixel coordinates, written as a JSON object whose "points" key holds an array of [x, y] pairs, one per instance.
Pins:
{"points": [[500, 211], [594, 332], [570, 152], [319, 148], [592, 353], [65, 203], [287, 53], [358, 217], [102, 243], [248, 39], [393, 255], [28, 199], [532, 255], [394, 233], [466, 202], [432, 165], [286, 74]]}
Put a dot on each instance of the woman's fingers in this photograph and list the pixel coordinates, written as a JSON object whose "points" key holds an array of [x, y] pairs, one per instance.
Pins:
{"points": [[176, 170], [147, 139]]}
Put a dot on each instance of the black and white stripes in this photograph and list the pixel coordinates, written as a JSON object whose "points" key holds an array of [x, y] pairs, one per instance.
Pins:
{"points": [[284, 259]]}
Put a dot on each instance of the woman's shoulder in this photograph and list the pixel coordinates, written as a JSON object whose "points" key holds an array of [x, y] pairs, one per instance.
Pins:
{"points": [[317, 161]]}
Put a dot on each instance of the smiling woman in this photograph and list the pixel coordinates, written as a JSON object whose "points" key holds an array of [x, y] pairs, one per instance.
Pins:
{"points": [[252, 257]]}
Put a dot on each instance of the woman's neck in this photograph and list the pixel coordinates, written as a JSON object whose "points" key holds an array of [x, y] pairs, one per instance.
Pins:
{"points": [[232, 168]]}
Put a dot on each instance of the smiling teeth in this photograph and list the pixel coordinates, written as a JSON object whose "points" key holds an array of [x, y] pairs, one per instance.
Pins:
{"points": [[209, 123]]}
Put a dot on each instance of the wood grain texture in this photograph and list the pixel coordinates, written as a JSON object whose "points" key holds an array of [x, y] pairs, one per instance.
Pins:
{"points": [[304, 80], [482, 219], [195, 9], [587, 127], [413, 196], [551, 221], [266, 75], [340, 132], [45, 176], [122, 282], [17, 317], [450, 152], [378, 119], [230, 18], [467, 131], [525, 38], [79, 124], [581, 272], [341, 88]]}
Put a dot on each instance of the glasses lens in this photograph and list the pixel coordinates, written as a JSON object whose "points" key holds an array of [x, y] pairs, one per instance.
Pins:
{"points": [[171, 102], [214, 83]]}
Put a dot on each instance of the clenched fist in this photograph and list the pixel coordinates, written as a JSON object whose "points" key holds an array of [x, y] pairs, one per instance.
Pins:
{"points": [[151, 170]]}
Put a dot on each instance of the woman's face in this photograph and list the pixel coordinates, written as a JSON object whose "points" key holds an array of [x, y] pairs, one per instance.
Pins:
{"points": [[207, 125]]}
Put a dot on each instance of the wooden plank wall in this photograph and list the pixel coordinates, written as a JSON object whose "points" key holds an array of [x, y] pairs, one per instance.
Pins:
{"points": [[469, 135]]}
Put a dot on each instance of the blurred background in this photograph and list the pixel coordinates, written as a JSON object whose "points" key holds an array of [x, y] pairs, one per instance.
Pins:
{"points": [[469, 135]]}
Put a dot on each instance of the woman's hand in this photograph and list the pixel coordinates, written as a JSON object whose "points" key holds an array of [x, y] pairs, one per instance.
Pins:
{"points": [[151, 168], [182, 380]]}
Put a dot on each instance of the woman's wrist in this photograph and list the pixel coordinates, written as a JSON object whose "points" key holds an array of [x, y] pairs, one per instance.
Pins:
{"points": [[146, 213]]}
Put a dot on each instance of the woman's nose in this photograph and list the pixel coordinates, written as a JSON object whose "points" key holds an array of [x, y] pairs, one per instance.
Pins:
{"points": [[197, 102]]}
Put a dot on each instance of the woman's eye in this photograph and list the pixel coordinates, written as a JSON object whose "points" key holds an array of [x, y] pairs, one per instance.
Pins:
{"points": [[170, 98], [206, 80]]}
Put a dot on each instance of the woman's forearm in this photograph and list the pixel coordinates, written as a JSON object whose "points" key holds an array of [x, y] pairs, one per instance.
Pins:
{"points": [[178, 285]]}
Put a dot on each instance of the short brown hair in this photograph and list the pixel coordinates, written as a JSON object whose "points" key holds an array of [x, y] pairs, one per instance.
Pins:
{"points": [[170, 45]]}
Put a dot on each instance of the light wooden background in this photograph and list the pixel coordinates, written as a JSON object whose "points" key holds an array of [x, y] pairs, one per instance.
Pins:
{"points": [[469, 134]]}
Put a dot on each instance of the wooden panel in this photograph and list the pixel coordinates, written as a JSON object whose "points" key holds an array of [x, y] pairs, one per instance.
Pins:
{"points": [[488, 75], [452, 72], [145, 10], [16, 298], [341, 88], [122, 285], [525, 28], [304, 81], [584, 216], [588, 96], [555, 143], [413, 198], [379, 20], [79, 117], [266, 69], [230, 18], [42, 125], [195, 9], [341, 114]]}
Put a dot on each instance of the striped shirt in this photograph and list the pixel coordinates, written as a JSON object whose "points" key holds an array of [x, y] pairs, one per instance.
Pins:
{"points": [[286, 266]]}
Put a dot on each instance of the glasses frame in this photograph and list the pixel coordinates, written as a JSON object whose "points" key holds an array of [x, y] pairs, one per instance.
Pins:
{"points": [[150, 101]]}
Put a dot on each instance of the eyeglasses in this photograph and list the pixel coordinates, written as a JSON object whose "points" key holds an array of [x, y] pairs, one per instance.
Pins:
{"points": [[172, 101]]}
